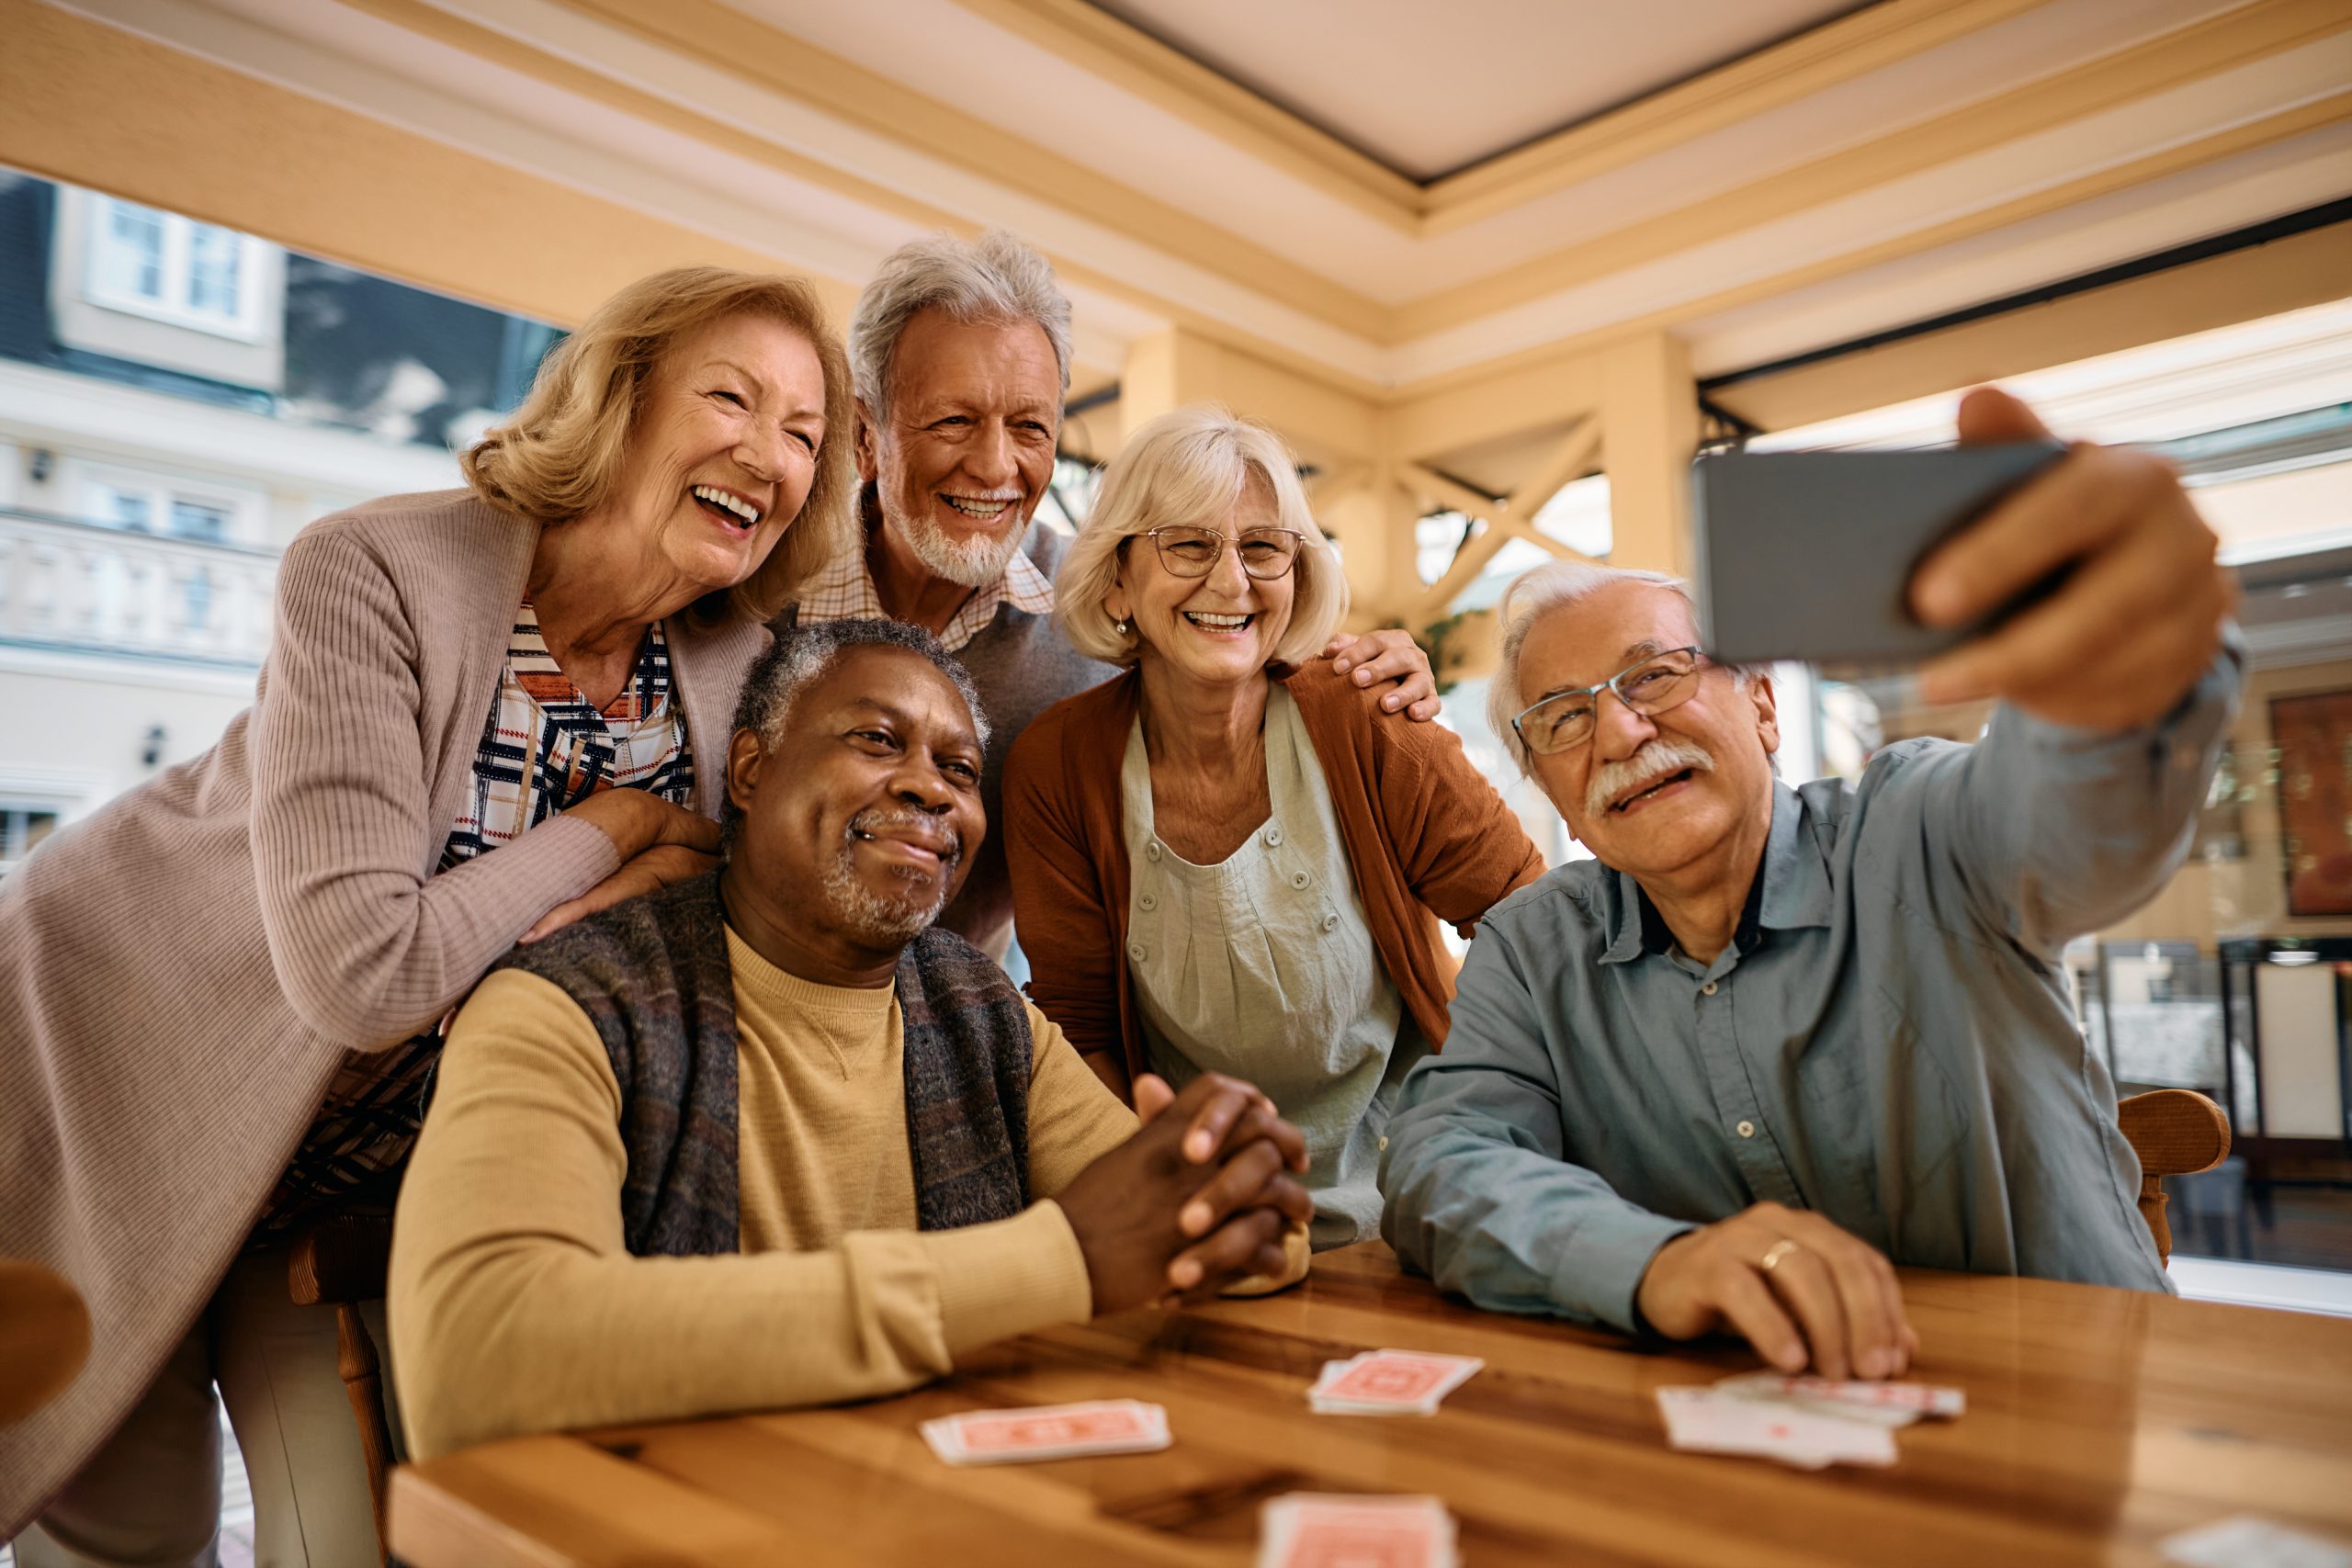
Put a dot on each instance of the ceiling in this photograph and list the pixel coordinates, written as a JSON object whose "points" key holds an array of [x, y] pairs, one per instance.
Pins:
{"points": [[1879, 165], [1429, 91]]}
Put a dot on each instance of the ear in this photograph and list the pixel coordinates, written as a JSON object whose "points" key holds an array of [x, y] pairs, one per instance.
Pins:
{"points": [[1768, 711], [869, 439], [743, 760]]}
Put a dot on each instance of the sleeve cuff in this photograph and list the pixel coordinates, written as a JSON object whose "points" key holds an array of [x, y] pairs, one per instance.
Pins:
{"points": [[1600, 1275], [1297, 1255], [1008, 1277]]}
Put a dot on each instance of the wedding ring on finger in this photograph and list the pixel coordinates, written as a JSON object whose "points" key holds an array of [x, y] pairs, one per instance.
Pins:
{"points": [[1775, 1253]]}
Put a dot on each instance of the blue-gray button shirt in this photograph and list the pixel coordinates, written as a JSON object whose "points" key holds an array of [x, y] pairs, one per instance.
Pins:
{"points": [[1887, 1039]]}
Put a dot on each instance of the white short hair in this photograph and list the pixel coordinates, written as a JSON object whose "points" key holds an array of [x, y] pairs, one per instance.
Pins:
{"points": [[995, 278], [1186, 467], [1535, 593]]}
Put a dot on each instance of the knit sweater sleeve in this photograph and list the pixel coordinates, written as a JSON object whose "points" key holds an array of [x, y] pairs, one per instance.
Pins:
{"points": [[515, 1305], [368, 946], [1062, 899]]}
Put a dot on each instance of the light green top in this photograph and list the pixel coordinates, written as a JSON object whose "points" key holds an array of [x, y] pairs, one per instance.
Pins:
{"points": [[1262, 966]]}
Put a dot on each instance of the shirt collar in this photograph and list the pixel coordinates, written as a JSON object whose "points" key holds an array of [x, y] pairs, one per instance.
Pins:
{"points": [[1792, 890], [846, 588]]}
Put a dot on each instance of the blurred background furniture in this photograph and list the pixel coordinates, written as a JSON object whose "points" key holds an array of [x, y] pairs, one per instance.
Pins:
{"points": [[45, 1336], [341, 1263], [2175, 1132]]}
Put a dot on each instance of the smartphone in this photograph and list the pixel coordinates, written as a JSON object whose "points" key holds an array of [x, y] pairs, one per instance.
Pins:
{"points": [[1809, 555]]}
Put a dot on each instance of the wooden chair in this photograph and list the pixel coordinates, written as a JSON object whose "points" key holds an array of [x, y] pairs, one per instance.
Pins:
{"points": [[2175, 1132], [341, 1263], [45, 1336]]}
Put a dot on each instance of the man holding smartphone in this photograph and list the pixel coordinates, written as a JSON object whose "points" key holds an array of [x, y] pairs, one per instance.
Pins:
{"points": [[1778, 1039]]}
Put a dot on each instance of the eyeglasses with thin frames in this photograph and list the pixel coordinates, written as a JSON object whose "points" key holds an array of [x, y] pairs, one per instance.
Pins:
{"points": [[1188, 551], [1564, 720]]}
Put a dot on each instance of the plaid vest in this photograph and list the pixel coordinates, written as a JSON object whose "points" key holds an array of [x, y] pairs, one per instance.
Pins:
{"points": [[652, 975]]}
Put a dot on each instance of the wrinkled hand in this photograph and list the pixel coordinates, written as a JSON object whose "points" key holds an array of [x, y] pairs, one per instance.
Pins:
{"points": [[2128, 633], [1149, 1218], [636, 822], [657, 867], [1389, 654], [1830, 1299]]}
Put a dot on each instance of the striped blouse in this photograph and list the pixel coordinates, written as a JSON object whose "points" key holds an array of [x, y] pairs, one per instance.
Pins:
{"points": [[545, 747]]}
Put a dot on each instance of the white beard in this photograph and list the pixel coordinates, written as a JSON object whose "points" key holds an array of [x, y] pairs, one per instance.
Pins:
{"points": [[975, 562]]}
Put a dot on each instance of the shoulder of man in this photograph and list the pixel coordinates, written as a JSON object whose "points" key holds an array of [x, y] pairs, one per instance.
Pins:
{"points": [[623, 946], [1567, 900]]}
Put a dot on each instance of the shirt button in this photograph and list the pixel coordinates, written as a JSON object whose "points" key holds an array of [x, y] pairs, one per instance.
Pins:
{"points": [[1152, 851], [1148, 903], [1748, 1129], [1384, 1143], [1135, 950], [1330, 922], [1274, 838], [1299, 879], [1708, 989]]}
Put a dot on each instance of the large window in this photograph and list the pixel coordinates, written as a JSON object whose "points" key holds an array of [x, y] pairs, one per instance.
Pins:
{"points": [[173, 269]]}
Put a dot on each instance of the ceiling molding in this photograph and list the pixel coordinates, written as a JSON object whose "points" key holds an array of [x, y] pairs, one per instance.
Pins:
{"points": [[1117, 51], [1810, 63], [2287, 274], [724, 39], [2199, 52]]}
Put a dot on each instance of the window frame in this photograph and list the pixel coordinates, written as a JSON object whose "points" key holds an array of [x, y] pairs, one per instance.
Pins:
{"points": [[178, 233]]}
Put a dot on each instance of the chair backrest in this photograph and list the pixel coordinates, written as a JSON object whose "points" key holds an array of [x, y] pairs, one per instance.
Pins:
{"points": [[2175, 1132], [342, 1263], [44, 1336]]}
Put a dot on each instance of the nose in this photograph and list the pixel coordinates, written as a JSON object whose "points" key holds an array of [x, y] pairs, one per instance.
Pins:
{"points": [[918, 784], [1617, 730], [760, 452], [990, 456], [1226, 575]]}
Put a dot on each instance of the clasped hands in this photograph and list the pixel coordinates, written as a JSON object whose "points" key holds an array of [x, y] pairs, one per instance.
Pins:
{"points": [[1203, 1195]]}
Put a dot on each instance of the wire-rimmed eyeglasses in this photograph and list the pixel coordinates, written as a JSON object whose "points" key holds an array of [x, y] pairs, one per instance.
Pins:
{"points": [[1187, 550], [1564, 720]]}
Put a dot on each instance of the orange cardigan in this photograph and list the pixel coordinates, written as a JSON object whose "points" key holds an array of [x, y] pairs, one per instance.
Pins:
{"points": [[1424, 833]]}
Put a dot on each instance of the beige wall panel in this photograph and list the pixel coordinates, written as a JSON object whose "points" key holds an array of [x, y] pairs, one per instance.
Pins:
{"points": [[1547, 392], [91, 105], [2285, 274]]}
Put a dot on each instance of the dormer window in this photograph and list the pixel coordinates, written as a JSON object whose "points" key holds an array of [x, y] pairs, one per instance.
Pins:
{"points": [[173, 269]]}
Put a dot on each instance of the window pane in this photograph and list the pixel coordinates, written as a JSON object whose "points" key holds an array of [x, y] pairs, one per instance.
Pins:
{"points": [[130, 251], [195, 520], [121, 508], [212, 258]]}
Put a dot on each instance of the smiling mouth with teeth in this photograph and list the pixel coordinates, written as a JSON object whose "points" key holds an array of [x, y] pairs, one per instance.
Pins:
{"points": [[980, 508], [1218, 623], [728, 508]]}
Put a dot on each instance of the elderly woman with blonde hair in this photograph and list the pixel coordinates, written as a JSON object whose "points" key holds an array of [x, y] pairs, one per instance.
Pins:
{"points": [[1223, 860], [484, 712]]}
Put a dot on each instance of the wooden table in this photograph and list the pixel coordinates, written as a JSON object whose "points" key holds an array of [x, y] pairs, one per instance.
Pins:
{"points": [[2099, 1422]]}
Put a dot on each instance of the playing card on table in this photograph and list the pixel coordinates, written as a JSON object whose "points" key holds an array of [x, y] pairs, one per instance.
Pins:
{"points": [[1390, 1382], [1057, 1431], [1707, 1420], [2245, 1541], [1882, 1403], [1320, 1529]]}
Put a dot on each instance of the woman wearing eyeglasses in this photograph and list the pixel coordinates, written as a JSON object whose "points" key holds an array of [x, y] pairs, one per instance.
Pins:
{"points": [[1226, 859]]}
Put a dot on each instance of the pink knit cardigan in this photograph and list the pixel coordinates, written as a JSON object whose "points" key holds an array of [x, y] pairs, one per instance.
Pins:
{"points": [[181, 972]]}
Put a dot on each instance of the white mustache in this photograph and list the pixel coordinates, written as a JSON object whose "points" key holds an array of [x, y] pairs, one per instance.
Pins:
{"points": [[1657, 760], [876, 817]]}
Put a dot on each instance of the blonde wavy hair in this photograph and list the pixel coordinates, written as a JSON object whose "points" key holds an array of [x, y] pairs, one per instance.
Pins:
{"points": [[1186, 467], [560, 453]]}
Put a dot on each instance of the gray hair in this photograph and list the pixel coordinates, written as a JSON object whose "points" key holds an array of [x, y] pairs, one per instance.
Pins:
{"points": [[991, 279], [1555, 585], [804, 652]]}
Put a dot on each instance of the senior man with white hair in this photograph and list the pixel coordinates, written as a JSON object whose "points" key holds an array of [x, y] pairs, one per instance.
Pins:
{"points": [[960, 352], [1772, 1038]]}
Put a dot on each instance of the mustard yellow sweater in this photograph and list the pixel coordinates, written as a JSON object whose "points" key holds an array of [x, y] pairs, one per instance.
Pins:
{"points": [[515, 1307]]}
